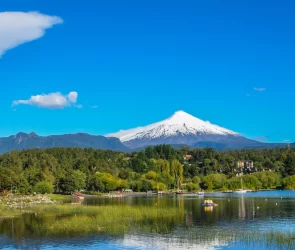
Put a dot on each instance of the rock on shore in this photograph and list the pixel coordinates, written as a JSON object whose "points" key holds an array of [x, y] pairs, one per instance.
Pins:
{"points": [[24, 201]]}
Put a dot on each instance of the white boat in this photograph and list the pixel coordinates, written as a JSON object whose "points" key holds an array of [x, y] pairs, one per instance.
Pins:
{"points": [[242, 190], [227, 191], [201, 193]]}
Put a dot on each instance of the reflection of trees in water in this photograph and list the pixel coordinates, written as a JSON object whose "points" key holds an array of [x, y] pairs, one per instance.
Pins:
{"points": [[77, 200], [242, 209], [192, 219], [233, 210], [27, 225]]}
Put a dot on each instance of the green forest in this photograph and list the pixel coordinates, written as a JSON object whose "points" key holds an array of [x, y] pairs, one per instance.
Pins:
{"points": [[157, 168]]}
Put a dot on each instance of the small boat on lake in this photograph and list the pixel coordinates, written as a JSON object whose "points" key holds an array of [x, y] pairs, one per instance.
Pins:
{"points": [[242, 190], [209, 203], [227, 191], [201, 193]]}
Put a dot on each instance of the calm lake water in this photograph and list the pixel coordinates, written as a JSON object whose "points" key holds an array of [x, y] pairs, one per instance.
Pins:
{"points": [[199, 228]]}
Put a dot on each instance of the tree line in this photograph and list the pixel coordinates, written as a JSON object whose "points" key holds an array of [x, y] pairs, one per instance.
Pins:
{"points": [[161, 167]]}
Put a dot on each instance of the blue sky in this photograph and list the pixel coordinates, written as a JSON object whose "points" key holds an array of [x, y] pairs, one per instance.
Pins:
{"points": [[131, 63]]}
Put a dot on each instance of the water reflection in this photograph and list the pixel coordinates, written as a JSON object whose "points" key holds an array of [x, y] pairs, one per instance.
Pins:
{"points": [[175, 242], [242, 209], [208, 209], [196, 226], [76, 200]]}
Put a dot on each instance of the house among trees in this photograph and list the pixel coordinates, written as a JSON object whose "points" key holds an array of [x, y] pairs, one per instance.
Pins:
{"points": [[187, 157], [249, 164], [240, 164], [245, 167]]}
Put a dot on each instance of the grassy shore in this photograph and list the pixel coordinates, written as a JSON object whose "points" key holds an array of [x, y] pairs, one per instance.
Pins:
{"points": [[59, 197]]}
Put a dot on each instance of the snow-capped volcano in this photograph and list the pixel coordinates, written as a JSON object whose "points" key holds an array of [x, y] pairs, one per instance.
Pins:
{"points": [[180, 128], [179, 123]]}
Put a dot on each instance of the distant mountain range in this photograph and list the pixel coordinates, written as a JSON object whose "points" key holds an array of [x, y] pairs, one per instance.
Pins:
{"points": [[82, 140], [181, 129]]}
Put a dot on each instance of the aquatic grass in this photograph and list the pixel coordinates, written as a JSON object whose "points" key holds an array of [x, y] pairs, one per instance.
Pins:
{"points": [[79, 219], [8, 213], [74, 225]]}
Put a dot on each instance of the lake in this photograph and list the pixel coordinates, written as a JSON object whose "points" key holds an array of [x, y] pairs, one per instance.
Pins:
{"points": [[247, 215]]}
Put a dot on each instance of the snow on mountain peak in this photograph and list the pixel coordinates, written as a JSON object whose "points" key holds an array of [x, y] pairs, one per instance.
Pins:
{"points": [[180, 123], [181, 117]]}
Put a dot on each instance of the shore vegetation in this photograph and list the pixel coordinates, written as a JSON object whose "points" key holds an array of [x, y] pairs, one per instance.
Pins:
{"points": [[157, 168]]}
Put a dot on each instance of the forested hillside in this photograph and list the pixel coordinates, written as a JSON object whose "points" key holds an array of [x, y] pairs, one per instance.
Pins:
{"points": [[65, 170]]}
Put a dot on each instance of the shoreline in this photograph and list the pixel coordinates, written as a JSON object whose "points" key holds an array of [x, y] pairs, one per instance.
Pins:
{"points": [[21, 201], [175, 193]]}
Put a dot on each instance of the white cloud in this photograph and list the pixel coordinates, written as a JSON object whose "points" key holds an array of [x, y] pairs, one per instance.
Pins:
{"points": [[72, 96], [260, 89], [52, 101], [94, 107], [17, 28]]}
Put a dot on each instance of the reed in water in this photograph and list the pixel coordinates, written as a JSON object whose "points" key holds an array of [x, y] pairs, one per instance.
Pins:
{"points": [[68, 219]]}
